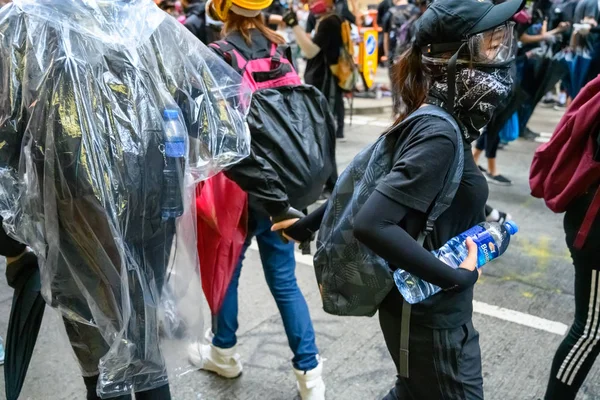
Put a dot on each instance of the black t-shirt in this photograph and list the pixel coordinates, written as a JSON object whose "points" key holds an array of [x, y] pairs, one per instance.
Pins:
{"points": [[414, 182], [329, 39], [382, 10]]}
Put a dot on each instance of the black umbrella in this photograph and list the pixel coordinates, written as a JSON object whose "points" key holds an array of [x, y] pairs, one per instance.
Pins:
{"points": [[24, 324]]}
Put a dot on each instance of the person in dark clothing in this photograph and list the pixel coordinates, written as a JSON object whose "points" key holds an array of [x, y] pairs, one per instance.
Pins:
{"points": [[396, 42], [580, 348], [323, 51], [199, 23], [274, 14], [382, 10], [341, 9], [444, 358]]}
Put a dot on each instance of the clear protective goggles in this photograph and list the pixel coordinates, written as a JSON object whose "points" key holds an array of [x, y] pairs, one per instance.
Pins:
{"points": [[494, 47]]}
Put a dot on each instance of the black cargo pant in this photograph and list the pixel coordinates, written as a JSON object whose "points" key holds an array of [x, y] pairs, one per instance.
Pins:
{"points": [[579, 349], [444, 364]]}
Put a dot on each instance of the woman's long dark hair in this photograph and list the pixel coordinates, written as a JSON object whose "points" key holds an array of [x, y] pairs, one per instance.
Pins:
{"points": [[410, 83]]}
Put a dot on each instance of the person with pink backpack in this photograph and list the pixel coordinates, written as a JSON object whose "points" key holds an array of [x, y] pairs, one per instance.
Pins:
{"points": [[566, 173], [293, 139]]}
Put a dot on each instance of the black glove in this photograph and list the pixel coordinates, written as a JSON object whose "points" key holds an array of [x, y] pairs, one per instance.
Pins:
{"points": [[290, 213], [290, 19]]}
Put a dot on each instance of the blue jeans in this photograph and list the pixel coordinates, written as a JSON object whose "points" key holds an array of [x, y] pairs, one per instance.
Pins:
{"points": [[279, 265]]}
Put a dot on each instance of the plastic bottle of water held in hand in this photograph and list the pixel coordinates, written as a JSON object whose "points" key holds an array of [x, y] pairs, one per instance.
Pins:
{"points": [[173, 172], [491, 238]]}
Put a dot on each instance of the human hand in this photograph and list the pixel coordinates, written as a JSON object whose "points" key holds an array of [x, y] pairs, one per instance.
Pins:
{"points": [[291, 19], [282, 225], [470, 262], [563, 26], [591, 21]]}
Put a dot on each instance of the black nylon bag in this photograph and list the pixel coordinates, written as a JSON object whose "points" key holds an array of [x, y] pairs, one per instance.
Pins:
{"points": [[292, 128]]}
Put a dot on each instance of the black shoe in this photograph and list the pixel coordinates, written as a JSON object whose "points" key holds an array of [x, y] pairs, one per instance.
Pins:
{"points": [[483, 170], [528, 134], [498, 180], [548, 103]]}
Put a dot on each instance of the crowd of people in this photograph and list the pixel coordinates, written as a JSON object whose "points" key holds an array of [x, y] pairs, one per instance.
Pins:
{"points": [[465, 75]]}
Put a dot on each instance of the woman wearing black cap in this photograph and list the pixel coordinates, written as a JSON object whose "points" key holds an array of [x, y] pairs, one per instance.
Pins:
{"points": [[459, 61]]}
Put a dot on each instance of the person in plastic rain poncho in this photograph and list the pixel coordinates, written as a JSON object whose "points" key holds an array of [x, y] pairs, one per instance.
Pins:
{"points": [[110, 111]]}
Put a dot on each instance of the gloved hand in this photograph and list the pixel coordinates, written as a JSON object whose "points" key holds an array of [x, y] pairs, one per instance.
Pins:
{"points": [[290, 19]]}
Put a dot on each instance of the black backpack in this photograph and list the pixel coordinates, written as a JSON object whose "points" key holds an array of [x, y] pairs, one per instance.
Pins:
{"points": [[353, 279]]}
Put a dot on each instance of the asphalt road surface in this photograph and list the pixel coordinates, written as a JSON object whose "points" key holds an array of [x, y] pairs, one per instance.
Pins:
{"points": [[524, 303]]}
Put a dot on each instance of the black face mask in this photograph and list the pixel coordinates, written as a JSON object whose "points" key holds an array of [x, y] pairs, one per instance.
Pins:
{"points": [[478, 93]]}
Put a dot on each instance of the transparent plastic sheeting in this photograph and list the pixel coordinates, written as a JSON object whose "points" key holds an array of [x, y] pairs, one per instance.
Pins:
{"points": [[98, 179]]}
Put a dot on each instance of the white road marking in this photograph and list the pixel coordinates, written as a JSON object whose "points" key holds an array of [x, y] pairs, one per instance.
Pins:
{"points": [[542, 139], [479, 307], [546, 134], [520, 318]]}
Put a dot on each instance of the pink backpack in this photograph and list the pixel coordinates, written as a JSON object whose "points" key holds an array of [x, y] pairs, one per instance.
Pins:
{"points": [[260, 68]]}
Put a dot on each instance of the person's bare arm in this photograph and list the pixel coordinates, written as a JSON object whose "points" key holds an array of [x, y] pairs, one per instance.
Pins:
{"points": [[308, 47], [386, 46], [275, 19]]}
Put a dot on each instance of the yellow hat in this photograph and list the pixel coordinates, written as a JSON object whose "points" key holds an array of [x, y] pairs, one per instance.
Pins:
{"points": [[245, 8]]}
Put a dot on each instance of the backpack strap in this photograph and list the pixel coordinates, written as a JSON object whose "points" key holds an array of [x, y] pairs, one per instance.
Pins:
{"points": [[588, 221], [230, 54], [442, 202]]}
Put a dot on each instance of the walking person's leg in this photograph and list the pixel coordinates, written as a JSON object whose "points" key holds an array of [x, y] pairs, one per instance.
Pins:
{"points": [[479, 147], [221, 356], [339, 113], [279, 265], [443, 363], [580, 348]]}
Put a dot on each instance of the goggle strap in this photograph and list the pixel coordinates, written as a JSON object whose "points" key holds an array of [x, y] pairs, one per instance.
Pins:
{"points": [[452, 80], [441, 48]]}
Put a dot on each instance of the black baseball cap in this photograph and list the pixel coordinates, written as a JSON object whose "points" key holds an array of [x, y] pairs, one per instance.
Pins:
{"points": [[451, 21]]}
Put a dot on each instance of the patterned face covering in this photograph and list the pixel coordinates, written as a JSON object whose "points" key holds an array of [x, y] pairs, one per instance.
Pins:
{"points": [[478, 93]]}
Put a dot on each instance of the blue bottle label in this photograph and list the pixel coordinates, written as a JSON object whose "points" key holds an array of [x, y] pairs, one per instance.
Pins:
{"points": [[175, 149], [487, 249]]}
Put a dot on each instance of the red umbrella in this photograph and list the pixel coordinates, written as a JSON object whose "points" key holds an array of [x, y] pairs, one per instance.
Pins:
{"points": [[222, 212]]}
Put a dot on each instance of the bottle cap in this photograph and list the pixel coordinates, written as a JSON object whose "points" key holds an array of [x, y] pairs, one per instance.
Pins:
{"points": [[511, 227], [170, 114]]}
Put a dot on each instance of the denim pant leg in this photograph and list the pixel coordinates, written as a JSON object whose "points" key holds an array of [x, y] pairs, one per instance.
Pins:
{"points": [[279, 265], [227, 320]]}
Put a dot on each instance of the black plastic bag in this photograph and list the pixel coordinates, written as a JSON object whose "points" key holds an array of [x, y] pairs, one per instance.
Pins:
{"points": [[293, 139]]}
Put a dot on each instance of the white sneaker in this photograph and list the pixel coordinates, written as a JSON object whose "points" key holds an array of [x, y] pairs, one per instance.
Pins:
{"points": [[310, 383], [223, 362]]}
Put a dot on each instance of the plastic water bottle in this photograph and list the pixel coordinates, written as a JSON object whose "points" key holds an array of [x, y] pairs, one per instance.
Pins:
{"points": [[491, 238], [174, 152]]}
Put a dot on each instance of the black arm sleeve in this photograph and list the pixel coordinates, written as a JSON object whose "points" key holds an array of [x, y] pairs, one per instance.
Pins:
{"points": [[376, 226], [303, 230], [258, 178]]}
